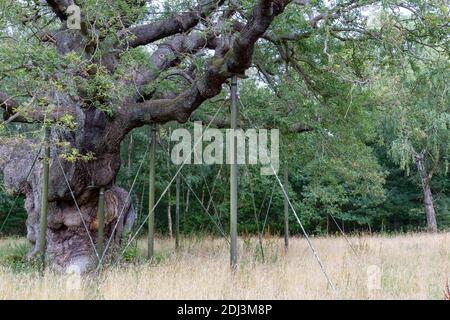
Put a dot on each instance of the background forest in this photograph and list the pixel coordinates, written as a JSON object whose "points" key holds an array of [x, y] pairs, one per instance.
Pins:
{"points": [[355, 110]]}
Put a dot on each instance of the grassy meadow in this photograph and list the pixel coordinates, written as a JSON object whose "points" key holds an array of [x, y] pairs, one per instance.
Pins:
{"points": [[412, 266]]}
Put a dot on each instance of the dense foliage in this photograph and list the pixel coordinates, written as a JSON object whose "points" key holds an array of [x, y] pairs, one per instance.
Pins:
{"points": [[369, 89]]}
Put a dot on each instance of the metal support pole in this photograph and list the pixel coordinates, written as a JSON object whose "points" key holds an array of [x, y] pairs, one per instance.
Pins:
{"points": [[286, 209], [151, 197], [44, 200], [101, 223], [233, 177]]}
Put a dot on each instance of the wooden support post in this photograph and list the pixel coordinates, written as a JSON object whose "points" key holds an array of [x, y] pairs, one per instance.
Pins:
{"points": [[233, 177], [44, 200], [151, 197], [101, 224], [286, 209], [169, 196], [177, 212]]}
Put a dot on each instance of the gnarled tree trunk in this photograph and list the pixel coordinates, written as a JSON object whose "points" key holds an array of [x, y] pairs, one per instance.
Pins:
{"points": [[72, 225]]}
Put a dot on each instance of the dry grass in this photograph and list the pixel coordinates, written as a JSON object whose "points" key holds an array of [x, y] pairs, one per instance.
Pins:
{"points": [[412, 266]]}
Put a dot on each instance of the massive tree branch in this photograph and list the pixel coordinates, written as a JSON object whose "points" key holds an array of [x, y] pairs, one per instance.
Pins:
{"points": [[171, 52], [223, 123], [151, 32], [220, 68]]}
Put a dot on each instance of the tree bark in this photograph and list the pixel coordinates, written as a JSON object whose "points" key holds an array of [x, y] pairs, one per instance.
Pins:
{"points": [[72, 217], [427, 195]]}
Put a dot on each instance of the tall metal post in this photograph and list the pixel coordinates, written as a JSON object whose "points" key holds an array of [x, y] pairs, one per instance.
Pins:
{"points": [[44, 200], [286, 209], [233, 177], [101, 223], [177, 212], [151, 197]]}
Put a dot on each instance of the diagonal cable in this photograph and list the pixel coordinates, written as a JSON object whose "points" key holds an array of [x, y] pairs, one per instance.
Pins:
{"points": [[217, 224], [268, 207], [206, 210], [345, 236], [122, 211], [304, 231], [298, 219], [170, 183], [78, 208]]}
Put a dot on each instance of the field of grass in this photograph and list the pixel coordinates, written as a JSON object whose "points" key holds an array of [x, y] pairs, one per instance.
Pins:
{"points": [[413, 266]]}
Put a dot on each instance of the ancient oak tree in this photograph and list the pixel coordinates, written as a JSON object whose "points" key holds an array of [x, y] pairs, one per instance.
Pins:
{"points": [[81, 85]]}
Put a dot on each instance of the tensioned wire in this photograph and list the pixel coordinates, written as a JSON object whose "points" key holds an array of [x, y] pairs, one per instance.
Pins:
{"points": [[298, 219], [41, 130], [211, 191], [345, 236], [257, 215], [340, 229], [122, 211], [168, 185], [304, 231], [268, 208], [78, 208], [205, 209], [70, 189], [217, 224]]}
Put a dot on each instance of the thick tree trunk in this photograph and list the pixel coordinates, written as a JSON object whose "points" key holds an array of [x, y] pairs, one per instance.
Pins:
{"points": [[427, 195], [72, 225]]}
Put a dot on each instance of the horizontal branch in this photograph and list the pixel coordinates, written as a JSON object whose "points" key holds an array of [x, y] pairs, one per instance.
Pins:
{"points": [[162, 110], [151, 32], [221, 67], [224, 123], [171, 52]]}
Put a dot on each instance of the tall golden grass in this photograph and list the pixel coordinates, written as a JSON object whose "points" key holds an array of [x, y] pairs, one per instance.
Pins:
{"points": [[413, 266]]}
